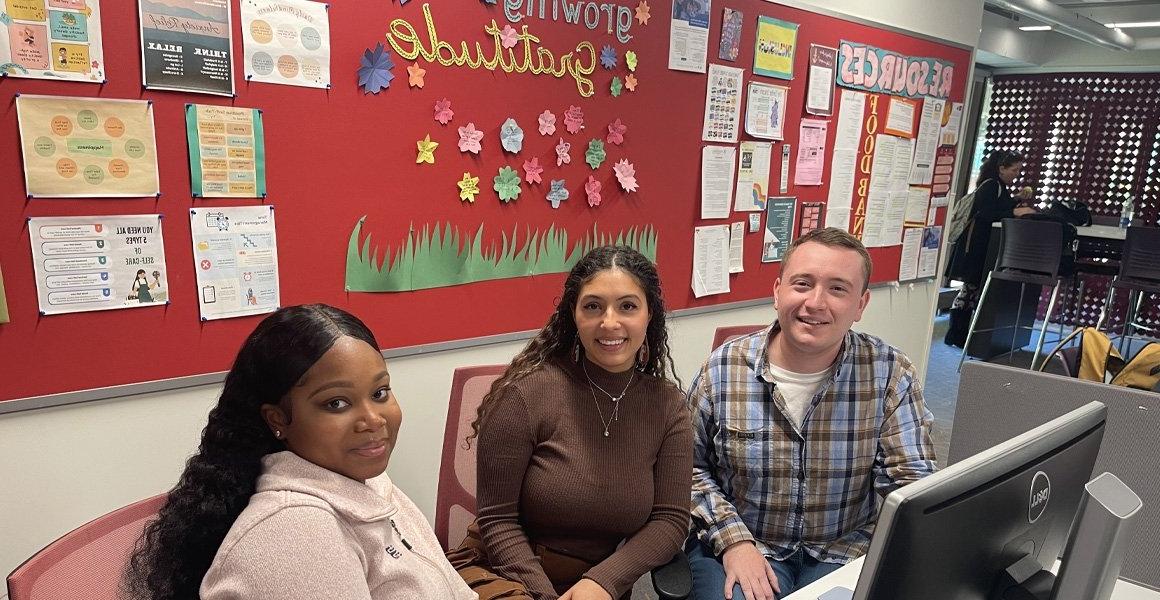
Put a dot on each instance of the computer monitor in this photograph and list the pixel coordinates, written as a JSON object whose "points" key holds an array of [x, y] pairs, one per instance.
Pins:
{"points": [[954, 534]]}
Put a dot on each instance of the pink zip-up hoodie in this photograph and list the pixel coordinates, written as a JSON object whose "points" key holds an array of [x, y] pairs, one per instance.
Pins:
{"points": [[310, 533]]}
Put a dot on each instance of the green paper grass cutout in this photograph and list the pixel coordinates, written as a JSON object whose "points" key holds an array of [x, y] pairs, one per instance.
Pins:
{"points": [[443, 256], [507, 184], [595, 155]]}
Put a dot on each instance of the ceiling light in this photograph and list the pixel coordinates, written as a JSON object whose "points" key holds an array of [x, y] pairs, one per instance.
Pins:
{"points": [[1035, 28], [1133, 25]]}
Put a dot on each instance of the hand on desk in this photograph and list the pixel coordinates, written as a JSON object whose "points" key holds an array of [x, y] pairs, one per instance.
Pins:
{"points": [[586, 589], [746, 566], [1024, 210]]}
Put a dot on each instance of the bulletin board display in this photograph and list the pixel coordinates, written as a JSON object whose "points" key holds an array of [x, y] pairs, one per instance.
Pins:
{"points": [[337, 158]]}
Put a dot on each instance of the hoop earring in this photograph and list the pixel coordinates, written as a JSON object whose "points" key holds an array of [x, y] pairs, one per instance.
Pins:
{"points": [[576, 349], [642, 355]]}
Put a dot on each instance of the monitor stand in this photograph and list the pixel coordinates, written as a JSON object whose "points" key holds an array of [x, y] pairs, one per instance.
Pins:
{"points": [[1025, 580]]}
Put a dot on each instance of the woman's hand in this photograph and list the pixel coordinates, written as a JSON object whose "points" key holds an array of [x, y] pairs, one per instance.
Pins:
{"points": [[586, 589], [1025, 194], [1024, 210]]}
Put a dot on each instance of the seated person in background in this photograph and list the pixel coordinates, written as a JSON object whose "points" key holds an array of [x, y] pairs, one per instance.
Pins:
{"points": [[795, 428], [286, 496], [584, 446]]}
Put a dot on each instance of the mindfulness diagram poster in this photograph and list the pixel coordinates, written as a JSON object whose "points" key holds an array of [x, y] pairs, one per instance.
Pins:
{"points": [[98, 263], [87, 147], [227, 152], [235, 256], [286, 42], [52, 39], [186, 46]]}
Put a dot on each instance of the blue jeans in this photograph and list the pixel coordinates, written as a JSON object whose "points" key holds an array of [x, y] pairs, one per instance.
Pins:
{"points": [[799, 570]]}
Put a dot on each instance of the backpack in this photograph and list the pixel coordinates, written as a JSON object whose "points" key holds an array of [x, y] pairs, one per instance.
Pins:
{"points": [[961, 214], [1100, 361]]}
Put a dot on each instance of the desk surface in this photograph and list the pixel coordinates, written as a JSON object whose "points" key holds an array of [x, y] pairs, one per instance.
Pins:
{"points": [[847, 576], [1107, 232]]}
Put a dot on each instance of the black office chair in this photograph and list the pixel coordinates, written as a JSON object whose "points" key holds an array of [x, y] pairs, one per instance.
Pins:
{"points": [[1140, 275], [1029, 253]]}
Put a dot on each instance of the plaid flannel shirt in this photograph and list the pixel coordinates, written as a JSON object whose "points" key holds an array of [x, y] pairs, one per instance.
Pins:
{"points": [[756, 477]]}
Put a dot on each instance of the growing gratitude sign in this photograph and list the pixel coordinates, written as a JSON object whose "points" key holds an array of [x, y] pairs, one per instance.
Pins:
{"points": [[614, 17], [871, 69]]}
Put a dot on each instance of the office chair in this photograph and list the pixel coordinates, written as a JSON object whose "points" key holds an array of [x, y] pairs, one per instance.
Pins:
{"points": [[730, 332], [1139, 275]]}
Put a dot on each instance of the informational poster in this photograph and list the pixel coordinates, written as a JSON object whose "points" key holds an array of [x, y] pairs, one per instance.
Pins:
{"points": [[235, 256], [731, 22], [820, 91], [688, 35], [813, 216], [783, 184], [227, 151], [710, 260], [928, 254], [917, 202], [811, 157], [843, 167], [736, 247], [944, 168], [765, 111], [928, 133], [3, 300], [774, 50], [778, 228], [60, 40], [98, 263], [753, 176], [87, 147], [900, 117], [911, 244], [288, 42], [717, 166], [187, 45], [952, 121], [722, 104]]}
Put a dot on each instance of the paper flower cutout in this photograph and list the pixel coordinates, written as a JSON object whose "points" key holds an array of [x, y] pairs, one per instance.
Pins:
{"points": [[574, 119], [7, 20], [616, 131], [626, 175], [592, 190], [595, 155], [511, 136], [630, 60], [558, 194], [547, 123], [562, 156], [469, 138], [426, 150], [507, 184], [608, 57], [375, 72], [642, 15], [616, 87], [415, 75], [630, 82], [468, 187], [443, 112], [532, 170], [508, 37]]}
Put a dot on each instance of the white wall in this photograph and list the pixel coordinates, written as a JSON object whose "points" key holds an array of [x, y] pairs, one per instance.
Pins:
{"points": [[64, 466], [951, 20]]}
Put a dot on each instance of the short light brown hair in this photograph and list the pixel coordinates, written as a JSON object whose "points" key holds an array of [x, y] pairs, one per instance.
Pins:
{"points": [[834, 238]]}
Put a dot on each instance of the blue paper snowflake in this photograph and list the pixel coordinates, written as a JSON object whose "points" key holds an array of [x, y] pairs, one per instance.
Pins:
{"points": [[558, 194], [608, 57], [375, 72]]}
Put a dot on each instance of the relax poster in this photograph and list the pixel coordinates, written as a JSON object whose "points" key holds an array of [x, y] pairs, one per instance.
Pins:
{"points": [[186, 46], [59, 40]]}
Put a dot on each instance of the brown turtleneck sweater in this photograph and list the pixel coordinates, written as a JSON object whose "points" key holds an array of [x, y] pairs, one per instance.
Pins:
{"points": [[547, 475]]}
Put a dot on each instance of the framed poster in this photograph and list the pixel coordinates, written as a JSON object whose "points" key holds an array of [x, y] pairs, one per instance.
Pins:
{"points": [[187, 46]]}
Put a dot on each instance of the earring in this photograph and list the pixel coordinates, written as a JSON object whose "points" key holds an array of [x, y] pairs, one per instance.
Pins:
{"points": [[278, 433], [576, 349], [642, 355]]}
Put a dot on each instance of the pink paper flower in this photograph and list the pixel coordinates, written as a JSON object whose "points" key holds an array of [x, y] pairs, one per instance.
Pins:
{"points": [[469, 138], [547, 123], [592, 188], [562, 156], [443, 112], [626, 175], [616, 131], [508, 37], [574, 119], [532, 170]]}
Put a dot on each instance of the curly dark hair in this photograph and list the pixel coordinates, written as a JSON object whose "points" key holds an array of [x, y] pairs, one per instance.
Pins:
{"points": [[175, 551], [558, 337], [997, 159]]}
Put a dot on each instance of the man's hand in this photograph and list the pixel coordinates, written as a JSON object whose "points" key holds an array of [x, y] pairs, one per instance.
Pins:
{"points": [[746, 566], [586, 589]]}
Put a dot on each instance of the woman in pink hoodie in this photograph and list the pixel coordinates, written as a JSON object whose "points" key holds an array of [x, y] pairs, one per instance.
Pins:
{"points": [[286, 496]]}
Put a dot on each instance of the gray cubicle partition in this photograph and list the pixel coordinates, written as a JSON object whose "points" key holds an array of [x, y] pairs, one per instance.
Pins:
{"points": [[997, 403]]}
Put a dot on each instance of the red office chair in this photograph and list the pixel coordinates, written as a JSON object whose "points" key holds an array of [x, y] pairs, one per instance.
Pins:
{"points": [[729, 332], [87, 562]]}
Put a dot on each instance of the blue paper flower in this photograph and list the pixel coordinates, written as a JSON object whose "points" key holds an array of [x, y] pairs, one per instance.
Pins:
{"points": [[558, 194], [608, 57], [511, 136], [375, 72]]}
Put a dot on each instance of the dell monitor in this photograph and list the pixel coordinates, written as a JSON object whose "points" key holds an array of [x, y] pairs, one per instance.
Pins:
{"points": [[978, 529]]}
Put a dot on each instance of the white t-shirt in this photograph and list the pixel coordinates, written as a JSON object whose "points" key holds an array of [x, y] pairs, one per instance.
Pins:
{"points": [[797, 389]]}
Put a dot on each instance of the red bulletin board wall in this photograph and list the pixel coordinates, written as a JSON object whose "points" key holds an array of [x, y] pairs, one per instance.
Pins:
{"points": [[339, 154]]}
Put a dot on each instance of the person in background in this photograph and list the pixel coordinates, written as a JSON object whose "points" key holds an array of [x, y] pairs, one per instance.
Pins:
{"points": [[286, 497], [584, 446], [993, 203], [797, 429]]}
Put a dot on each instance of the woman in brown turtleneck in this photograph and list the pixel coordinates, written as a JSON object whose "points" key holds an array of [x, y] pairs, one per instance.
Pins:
{"points": [[585, 449]]}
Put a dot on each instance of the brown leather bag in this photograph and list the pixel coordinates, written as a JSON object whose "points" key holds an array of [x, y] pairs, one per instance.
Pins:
{"points": [[470, 560]]}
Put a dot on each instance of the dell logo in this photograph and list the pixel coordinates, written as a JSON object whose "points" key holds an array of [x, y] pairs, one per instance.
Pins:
{"points": [[1040, 494]]}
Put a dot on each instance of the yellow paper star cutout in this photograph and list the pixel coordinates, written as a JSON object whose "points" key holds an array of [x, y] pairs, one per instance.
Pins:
{"points": [[415, 75], [642, 12], [426, 150], [468, 188]]}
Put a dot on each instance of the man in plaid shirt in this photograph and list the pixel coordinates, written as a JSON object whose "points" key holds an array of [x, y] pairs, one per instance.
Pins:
{"points": [[796, 428]]}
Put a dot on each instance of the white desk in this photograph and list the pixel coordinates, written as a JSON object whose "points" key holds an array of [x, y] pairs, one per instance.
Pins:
{"points": [[1107, 232], [847, 577]]}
